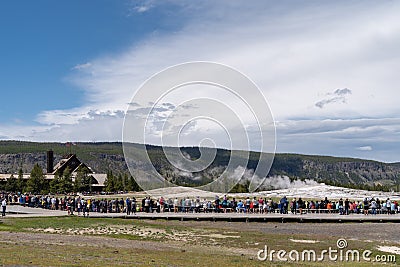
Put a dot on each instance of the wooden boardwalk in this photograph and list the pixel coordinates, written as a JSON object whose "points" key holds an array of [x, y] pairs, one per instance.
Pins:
{"points": [[243, 217], [19, 211]]}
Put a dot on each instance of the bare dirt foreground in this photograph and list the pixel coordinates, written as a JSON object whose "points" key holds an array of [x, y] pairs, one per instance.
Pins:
{"points": [[73, 241]]}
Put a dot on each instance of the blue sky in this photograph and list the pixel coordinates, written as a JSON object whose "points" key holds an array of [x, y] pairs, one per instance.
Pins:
{"points": [[42, 42], [328, 70]]}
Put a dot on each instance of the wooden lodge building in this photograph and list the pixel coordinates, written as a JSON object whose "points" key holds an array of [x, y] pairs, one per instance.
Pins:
{"points": [[70, 161]]}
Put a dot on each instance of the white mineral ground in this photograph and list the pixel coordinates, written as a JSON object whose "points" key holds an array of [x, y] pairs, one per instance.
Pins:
{"points": [[316, 192], [389, 249]]}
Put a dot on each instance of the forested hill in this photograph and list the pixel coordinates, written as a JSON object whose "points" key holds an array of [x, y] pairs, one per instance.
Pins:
{"points": [[102, 157]]}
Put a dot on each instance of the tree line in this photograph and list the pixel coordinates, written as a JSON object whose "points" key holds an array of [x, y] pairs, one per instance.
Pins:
{"points": [[64, 183]]}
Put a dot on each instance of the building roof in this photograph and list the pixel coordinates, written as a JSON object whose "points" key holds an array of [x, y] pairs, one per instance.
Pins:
{"points": [[100, 178], [72, 162]]}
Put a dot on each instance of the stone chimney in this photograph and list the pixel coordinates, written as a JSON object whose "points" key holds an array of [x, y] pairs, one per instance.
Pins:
{"points": [[50, 161]]}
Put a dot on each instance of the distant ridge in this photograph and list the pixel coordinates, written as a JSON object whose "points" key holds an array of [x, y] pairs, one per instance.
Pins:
{"points": [[104, 156]]}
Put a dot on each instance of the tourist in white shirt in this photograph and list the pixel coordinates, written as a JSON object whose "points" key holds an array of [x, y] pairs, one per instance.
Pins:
{"points": [[3, 207]]}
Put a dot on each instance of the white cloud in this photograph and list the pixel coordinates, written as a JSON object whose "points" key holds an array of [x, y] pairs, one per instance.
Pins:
{"points": [[339, 137], [294, 52], [339, 95], [282, 61], [57, 117], [141, 6], [82, 66], [364, 148], [141, 9]]}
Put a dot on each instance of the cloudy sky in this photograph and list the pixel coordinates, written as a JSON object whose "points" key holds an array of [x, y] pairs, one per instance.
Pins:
{"points": [[329, 70]]}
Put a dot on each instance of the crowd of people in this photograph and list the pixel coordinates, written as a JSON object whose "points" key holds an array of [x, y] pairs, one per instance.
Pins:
{"points": [[84, 205], [71, 204], [342, 206]]}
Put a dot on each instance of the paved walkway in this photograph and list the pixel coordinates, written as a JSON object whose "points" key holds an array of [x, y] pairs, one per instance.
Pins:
{"points": [[275, 217], [19, 211]]}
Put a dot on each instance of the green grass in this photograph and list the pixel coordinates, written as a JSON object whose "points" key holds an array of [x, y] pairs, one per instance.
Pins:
{"points": [[20, 224], [204, 250]]}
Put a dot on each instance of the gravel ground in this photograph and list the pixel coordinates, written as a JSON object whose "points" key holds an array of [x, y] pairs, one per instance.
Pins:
{"points": [[382, 232], [258, 234], [86, 241]]}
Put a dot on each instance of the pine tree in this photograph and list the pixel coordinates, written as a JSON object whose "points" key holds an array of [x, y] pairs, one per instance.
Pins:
{"points": [[118, 185], [55, 184], [11, 184], [133, 186], [78, 183], [20, 182], [126, 183], [82, 180], [36, 182], [109, 182], [66, 184]]}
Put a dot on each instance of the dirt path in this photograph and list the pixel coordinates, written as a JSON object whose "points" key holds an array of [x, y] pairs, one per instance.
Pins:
{"points": [[84, 241], [389, 232], [238, 247]]}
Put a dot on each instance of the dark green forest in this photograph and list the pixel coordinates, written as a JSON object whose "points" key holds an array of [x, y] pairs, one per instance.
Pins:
{"points": [[104, 157]]}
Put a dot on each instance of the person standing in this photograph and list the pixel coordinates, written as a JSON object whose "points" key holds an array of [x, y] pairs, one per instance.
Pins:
{"points": [[162, 204], [283, 205], [341, 206], [134, 205], [293, 206], [366, 206], [300, 205], [176, 205], [147, 205], [128, 206], [3, 207], [388, 206], [85, 209], [373, 206], [71, 206], [121, 205], [346, 206]]}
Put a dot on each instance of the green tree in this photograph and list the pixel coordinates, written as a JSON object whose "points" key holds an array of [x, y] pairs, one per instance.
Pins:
{"points": [[45, 187], [109, 183], [82, 180], [126, 182], [11, 184], [78, 183], [36, 182], [118, 185], [66, 184], [55, 184], [20, 181], [132, 185], [240, 188]]}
